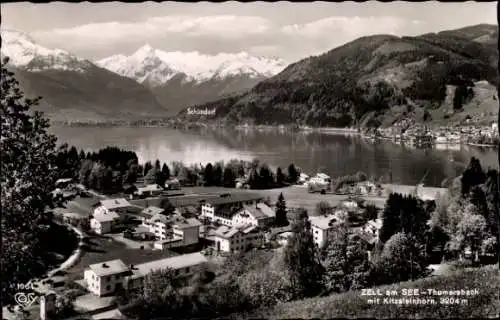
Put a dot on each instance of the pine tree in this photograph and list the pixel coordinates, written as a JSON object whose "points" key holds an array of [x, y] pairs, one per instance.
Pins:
{"points": [[147, 166], [280, 177], [302, 260], [217, 175], [165, 170], [208, 175], [229, 178], [293, 174], [281, 219], [472, 176]]}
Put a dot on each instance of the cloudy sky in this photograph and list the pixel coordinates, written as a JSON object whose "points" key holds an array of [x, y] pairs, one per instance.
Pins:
{"points": [[287, 30]]}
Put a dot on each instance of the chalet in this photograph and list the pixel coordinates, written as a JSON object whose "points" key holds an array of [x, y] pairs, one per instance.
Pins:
{"points": [[120, 206], [149, 212], [257, 215], [103, 222], [322, 227], [173, 184], [321, 178], [373, 227], [222, 209], [237, 239], [174, 231], [150, 190], [105, 278]]}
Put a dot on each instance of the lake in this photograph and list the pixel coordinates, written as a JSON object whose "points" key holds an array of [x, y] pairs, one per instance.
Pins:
{"points": [[336, 154]]}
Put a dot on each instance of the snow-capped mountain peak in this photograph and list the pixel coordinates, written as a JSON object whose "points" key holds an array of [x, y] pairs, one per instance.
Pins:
{"points": [[156, 67], [146, 51], [24, 52]]}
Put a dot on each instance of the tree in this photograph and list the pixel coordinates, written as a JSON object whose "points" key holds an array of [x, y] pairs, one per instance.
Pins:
{"points": [[302, 260], [158, 165], [153, 176], [218, 175], [254, 179], [370, 212], [229, 178], [436, 239], [293, 174], [84, 173], [472, 176], [280, 177], [403, 213], [265, 287], [281, 219], [28, 172], [323, 208], [208, 175], [166, 205], [160, 294], [346, 261], [403, 258], [472, 232], [490, 246], [492, 191], [130, 176], [265, 177], [147, 166], [165, 170]]}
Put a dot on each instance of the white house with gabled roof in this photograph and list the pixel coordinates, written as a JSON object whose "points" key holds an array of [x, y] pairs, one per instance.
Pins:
{"points": [[106, 277], [102, 222], [119, 205]]}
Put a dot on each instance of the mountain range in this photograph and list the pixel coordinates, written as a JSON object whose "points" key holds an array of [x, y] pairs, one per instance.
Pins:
{"points": [[374, 80], [147, 84], [381, 80], [181, 79]]}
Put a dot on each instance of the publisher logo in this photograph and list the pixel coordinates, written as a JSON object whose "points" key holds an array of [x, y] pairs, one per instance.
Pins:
{"points": [[25, 300]]}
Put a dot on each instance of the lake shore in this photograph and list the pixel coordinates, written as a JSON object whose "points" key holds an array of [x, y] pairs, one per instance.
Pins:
{"points": [[211, 126]]}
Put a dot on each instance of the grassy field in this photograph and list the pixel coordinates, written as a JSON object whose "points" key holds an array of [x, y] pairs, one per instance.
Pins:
{"points": [[294, 196], [353, 305], [100, 249]]}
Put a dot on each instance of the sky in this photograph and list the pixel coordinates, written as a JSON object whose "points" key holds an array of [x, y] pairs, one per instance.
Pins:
{"points": [[290, 31]]}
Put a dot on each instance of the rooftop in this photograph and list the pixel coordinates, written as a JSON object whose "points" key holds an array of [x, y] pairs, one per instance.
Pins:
{"points": [[106, 216], [115, 203], [324, 222], [259, 211], [109, 267], [177, 262], [151, 211], [234, 198], [183, 223], [228, 232], [190, 200]]}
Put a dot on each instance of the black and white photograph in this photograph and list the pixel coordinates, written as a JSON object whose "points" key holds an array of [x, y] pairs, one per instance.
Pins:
{"points": [[250, 160]]}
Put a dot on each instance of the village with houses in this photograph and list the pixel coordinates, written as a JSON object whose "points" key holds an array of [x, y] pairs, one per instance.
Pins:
{"points": [[422, 136], [150, 227]]}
